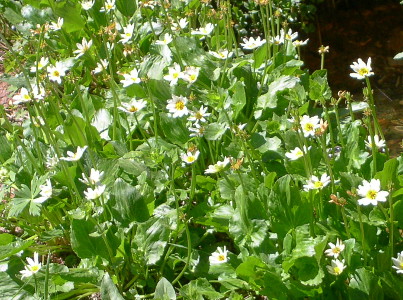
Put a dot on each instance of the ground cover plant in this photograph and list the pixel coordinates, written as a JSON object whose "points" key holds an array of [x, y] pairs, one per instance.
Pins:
{"points": [[166, 152]]}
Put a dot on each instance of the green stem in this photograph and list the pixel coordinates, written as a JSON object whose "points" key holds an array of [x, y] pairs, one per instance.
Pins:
{"points": [[362, 233]]}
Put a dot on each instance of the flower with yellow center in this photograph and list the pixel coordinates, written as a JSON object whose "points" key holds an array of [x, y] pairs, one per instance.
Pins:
{"points": [[335, 250], [398, 263], [190, 157], [371, 192], [314, 183], [337, 267], [309, 125], [361, 69], [33, 266], [177, 106], [200, 115], [219, 257], [131, 78], [133, 106], [296, 153]]}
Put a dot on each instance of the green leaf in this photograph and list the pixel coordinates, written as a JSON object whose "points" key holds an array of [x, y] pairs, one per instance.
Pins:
{"points": [[164, 290], [214, 131], [365, 285], [108, 289], [12, 248], [174, 129], [198, 289], [318, 86], [238, 99], [71, 13], [128, 203]]}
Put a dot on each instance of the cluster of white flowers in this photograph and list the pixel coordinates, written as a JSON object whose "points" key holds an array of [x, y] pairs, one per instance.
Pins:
{"points": [[96, 189], [337, 266]]}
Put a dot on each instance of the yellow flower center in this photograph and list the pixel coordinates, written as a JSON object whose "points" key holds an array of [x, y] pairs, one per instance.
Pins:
{"points": [[336, 270], [133, 109], [56, 73], [27, 97], [179, 105], [336, 250], [401, 265], [299, 153], [221, 257], [34, 269], [198, 116], [308, 127], [192, 77], [134, 78], [372, 194], [175, 75], [363, 71], [190, 159], [318, 184]]}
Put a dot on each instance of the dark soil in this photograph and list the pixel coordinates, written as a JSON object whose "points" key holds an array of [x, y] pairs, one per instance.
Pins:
{"points": [[362, 29]]}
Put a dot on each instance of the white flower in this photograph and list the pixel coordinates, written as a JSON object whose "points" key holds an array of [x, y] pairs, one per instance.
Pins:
{"points": [[83, 47], [38, 93], [336, 267], [41, 64], [298, 43], [132, 77], [189, 157], [127, 33], [174, 73], [46, 192], [102, 65], [87, 4], [398, 263], [165, 41], [361, 69], [206, 30], [252, 43], [75, 156], [33, 266], [289, 36], [309, 125], [221, 54], [181, 25], [314, 183], [56, 26], [22, 97], [108, 6], [200, 115], [371, 191], [296, 153], [335, 250], [177, 106], [379, 143], [133, 106], [277, 40], [218, 167], [93, 179], [56, 72], [191, 74], [92, 194], [197, 130], [219, 257]]}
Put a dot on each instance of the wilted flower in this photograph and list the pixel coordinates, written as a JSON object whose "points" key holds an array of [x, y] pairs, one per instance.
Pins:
{"points": [[83, 47], [361, 69], [95, 193], [87, 4], [252, 43], [199, 116], [371, 191], [75, 156], [93, 179], [309, 125], [56, 25], [197, 130], [221, 54], [335, 250], [206, 30], [127, 33], [314, 183], [57, 71], [174, 73], [131, 78], [323, 49], [108, 6], [33, 266], [177, 106], [46, 192], [336, 267], [379, 143], [41, 64], [219, 257], [190, 157], [218, 167], [165, 41], [133, 106], [398, 263]]}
